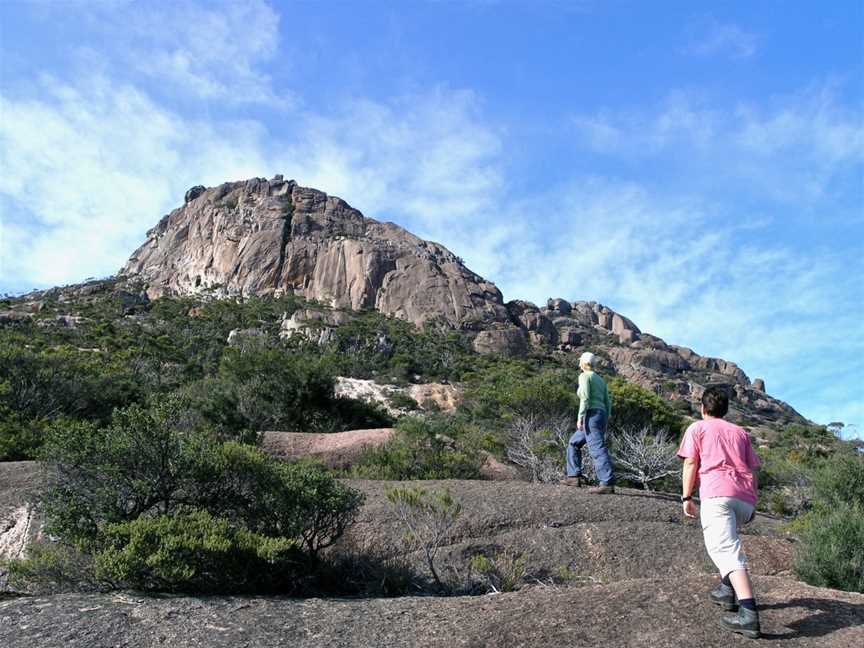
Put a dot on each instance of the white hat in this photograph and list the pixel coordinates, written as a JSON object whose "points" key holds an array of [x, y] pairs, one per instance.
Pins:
{"points": [[586, 358]]}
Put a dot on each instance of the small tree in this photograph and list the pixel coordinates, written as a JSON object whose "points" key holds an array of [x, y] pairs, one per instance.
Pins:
{"points": [[644, 455], [428, 518]]}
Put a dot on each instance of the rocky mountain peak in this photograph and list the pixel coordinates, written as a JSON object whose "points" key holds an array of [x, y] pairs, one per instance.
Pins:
{"points": [[270, 237]]}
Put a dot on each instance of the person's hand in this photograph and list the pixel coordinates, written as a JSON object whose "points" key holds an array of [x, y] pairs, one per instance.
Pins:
{"points": [[689, 508], [580, 425]]}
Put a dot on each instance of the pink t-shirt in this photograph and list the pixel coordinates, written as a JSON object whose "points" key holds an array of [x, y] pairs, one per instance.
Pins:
{"points": [[726, 459]]}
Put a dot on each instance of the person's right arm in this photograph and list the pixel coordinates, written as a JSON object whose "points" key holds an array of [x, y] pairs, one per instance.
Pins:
{"points": [[688, 479]]}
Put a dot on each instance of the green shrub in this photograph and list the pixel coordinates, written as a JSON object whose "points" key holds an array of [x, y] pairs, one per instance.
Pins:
{"points": [[831, 551], [841, 481], [125, 493], [503, 571], [634, 408], [50, 568], [261, 387], [432, 447], [512, 388], [372, 344], [191, 551]]}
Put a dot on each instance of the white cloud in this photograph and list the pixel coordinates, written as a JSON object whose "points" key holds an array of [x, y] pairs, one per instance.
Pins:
{"points": [[427, 157], [90, 167], [213, 50], [792, 151], [709, 38]]}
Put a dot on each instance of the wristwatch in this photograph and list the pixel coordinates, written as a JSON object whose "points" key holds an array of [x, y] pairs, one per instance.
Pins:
{"points": [[686, 499]]}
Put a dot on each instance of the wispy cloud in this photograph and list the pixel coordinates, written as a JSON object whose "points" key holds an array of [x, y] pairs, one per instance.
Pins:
{"points": [[793, 149], [214, 51], [88, 167], [708, 37], [426, 156]]}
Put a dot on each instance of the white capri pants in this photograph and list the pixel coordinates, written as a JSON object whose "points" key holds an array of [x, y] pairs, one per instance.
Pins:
{"points": [[721, 517]]}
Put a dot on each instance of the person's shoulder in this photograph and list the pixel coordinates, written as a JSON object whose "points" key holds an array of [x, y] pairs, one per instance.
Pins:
{"points": [[728, 427], [694, 428]]}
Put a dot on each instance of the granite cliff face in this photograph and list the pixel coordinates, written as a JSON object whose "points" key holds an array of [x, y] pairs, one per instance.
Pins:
{"points": [[273, 237]]}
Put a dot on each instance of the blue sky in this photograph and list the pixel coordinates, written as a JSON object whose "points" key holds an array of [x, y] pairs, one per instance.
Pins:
{"points": [[695, 166]]}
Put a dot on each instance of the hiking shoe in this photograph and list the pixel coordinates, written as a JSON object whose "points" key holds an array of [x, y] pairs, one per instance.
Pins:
{"points": [[746, 622], [602, 489], [578, 481], [724, 596]]}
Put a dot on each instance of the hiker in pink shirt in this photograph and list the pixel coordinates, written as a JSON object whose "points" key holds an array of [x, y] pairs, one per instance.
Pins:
{"points": [[719, 457]]}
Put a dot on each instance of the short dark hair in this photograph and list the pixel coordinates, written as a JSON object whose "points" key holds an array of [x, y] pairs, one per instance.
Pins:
{"points": [[716, 401]]}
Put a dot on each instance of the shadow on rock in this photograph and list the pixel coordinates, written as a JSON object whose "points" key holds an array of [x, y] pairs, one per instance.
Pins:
{"points": [[833, 616]]}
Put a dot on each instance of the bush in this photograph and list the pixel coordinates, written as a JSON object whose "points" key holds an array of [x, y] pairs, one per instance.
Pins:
{"points": [[831, 551], [432, 447], [159, 500], [634, 408], [503, 571], [841, 481], [372, 344], [259, 387], [51, 568], [513, 388], [538, 443], [191, 551], [644, 456]]}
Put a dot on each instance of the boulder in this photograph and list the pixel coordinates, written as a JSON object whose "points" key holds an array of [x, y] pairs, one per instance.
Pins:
{"points": [[441, 396], [507, 341], [558, 306], [759, 385], [621, 325], [569, 336], [494, 470], [527, 316], [584, 313]]}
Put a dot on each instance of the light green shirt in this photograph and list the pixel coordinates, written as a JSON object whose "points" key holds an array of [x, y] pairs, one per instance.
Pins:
{"points": [[593, 394]]}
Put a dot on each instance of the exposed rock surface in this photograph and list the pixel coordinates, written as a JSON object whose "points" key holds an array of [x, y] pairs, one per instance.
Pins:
{"points": [[19, 481], [660, 613], [562, 528], [436, 396], [510, 341], [623, 570], [334, 449], [272, 236]]}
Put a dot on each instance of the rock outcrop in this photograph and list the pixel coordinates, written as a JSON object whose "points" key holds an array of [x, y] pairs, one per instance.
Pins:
{"points": [[270, 237], [610, 556]]}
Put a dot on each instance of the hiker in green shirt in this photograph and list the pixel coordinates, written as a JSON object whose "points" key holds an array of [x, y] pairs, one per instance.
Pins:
{"points": [[595, 407]]}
